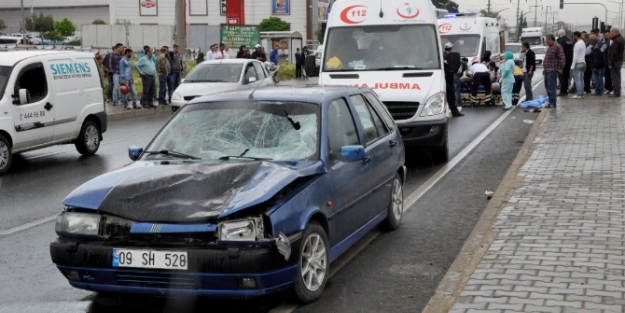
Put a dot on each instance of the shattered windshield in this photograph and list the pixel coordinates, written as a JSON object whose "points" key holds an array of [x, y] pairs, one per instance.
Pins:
{"points": [[256, 129], [215, 73]]}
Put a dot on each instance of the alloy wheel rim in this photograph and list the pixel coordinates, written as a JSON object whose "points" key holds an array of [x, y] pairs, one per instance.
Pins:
{"points": [[398, 199], [91, 137], [4, 155], [314, 262]]}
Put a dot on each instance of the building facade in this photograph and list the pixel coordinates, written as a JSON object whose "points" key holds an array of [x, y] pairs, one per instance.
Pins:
{"points": [[78, 11]]}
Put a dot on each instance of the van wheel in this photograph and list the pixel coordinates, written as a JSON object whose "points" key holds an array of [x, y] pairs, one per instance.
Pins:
{"points": [[313, 265], [395, 206], [88, 140], [441, 155], [5, 155]]}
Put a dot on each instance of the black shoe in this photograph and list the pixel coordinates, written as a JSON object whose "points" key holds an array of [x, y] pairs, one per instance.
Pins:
{"points": [[506, 109], [457, 114], [563, 94]]}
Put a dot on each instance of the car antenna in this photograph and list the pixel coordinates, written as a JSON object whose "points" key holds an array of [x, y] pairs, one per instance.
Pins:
{"points": [[251, 96]]}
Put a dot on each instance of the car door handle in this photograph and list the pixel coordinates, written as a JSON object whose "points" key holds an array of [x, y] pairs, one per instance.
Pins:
{"points": [[366, 160], [48, 106], [392, 143]]}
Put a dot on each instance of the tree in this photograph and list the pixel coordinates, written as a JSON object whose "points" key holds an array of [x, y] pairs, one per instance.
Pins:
{"points": [[64, 27], [446, 4], [2, 25], [40, 23], [274, 24], [98, 22], [494, 14], [53, 36]]}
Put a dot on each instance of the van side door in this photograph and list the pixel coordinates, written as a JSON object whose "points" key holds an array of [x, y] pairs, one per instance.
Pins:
{"points": [[34, 120], [66, 76]]}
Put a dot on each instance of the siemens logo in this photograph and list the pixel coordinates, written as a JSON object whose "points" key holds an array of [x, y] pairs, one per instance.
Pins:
{"points": [[70, 68]]}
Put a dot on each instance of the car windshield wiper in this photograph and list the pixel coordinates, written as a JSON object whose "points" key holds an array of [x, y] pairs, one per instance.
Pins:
{"points": [[241, 156], [174, 153], [295, 125]]}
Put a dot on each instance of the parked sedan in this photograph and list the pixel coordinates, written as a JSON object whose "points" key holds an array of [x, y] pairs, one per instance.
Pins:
{"points": [[211, 77], [540, 52], [240, 194]]}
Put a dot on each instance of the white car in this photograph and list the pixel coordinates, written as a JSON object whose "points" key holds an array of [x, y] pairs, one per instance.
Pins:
{"points": [[215, 76], [318, 54], [539, 51], [515, 48]]}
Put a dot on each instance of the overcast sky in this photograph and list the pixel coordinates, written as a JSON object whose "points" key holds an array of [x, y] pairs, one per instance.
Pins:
{"points": [[580, 14]]}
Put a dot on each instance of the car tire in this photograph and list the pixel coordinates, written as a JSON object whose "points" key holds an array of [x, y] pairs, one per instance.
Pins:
{"points": [[441, 155], [304, 289], [88, 141], [5, 155], [396, 205]]}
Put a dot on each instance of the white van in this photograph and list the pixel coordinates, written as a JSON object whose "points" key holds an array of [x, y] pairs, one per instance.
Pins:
{"points": [[392, 47], [49, 98], [473, 36], [9, 41]]}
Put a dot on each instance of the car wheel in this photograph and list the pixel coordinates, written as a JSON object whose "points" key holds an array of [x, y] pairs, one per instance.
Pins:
{"points": [[313, 265], [88, 140], [396, 205], [441, 155], [5, 155]]}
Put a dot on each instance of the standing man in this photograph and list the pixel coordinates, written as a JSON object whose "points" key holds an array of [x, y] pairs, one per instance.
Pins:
{"points": [[529, 65], [553, 64], [258, 54], [153, 61], [598, 65], [106, 64], [162, 69], [298, 64], [567, 45], [177, 69], [464, 68], [588, 58], [125, 71], [147, 70], [615, 60], [579, 64], [606, 51], [223, 49], [116, 56], [273, 55], [449, 82]]}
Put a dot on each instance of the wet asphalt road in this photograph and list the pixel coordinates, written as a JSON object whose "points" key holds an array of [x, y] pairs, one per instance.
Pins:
{"points": [[395, 272]]}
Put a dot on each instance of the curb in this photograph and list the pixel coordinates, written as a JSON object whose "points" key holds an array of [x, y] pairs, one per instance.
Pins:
{"points": [[134, 114], [482, 236]]}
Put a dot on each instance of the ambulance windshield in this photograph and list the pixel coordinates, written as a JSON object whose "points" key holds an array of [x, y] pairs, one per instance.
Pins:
{"points": [[466, 45], [381, 47]]}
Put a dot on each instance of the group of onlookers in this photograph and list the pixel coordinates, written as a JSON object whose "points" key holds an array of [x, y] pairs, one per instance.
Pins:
{"points": [[167, 69]]}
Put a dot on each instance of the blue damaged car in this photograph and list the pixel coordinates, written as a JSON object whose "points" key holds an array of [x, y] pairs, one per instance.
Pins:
{"points": [[240, 194]]}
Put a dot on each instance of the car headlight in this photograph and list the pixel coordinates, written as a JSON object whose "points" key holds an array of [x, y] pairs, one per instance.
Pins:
{"points": [[434, 105], [77, 224], [176, 97], [249, 229]]}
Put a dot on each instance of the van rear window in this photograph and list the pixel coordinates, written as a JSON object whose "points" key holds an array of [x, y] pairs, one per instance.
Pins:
{"points": [[5, 72]]}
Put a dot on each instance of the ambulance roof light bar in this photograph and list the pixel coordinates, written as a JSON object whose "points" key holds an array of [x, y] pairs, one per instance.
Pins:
{"points": [[454, 15]]}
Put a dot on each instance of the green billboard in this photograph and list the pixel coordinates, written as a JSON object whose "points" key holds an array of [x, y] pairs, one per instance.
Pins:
{"points": [[240, 35]]}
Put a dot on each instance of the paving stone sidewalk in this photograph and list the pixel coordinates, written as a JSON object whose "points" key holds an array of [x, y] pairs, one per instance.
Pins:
{"points": [[561, 241]]}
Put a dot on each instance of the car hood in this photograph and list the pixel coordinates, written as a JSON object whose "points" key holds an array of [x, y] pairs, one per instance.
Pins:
{"points": [[187, 192], [201, 89]]}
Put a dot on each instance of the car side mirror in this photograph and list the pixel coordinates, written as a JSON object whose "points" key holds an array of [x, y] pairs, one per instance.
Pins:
{"points": [[353, 153], [134, 152], [24, 96]]}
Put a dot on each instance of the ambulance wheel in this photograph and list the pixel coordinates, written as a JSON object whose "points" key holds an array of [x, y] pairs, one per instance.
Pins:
{"points": [[5, 155], [88, 140]]}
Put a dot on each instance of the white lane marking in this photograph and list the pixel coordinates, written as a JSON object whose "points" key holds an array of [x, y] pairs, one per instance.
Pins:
{"points": [[413, 197], [28, 225], [71, 150]]}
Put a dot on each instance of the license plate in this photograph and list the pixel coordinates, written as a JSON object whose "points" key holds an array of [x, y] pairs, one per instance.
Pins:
{"points": [[171, 260]]}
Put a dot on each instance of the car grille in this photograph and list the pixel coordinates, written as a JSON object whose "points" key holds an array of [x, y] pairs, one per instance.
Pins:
{"points": [[155, 280], [402, 110], [188, 98]]}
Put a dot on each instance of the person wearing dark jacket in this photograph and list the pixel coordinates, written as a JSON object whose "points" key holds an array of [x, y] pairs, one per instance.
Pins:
{"points": [[598, 65], [106, 64], [298, 64], [615, 59], [606, 51], [528, 67], [258, 54], [567, 46], [241, 54], [588, 58]]}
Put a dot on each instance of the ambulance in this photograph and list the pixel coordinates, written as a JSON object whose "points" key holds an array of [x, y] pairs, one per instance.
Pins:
{"points": [[473, 36], [392, 47]]}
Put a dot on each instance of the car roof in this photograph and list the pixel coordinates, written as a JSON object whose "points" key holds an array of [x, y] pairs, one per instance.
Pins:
{"points": [[13, 57], [303, 93]]}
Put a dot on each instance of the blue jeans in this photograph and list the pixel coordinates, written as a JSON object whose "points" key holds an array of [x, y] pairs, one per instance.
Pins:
{"points": [[457, 89], [115, 88], [527, 82], [162, 80], [133, 91], [597, 78], [551, 84], [175, 80], [578, 77]]}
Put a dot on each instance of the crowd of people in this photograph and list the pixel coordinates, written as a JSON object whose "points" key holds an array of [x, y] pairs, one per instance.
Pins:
{"points": [[587, 64], [167, 69]]}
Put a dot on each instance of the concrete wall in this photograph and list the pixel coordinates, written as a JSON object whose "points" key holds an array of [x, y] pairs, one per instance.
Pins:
{"points": [[135, 36]]}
